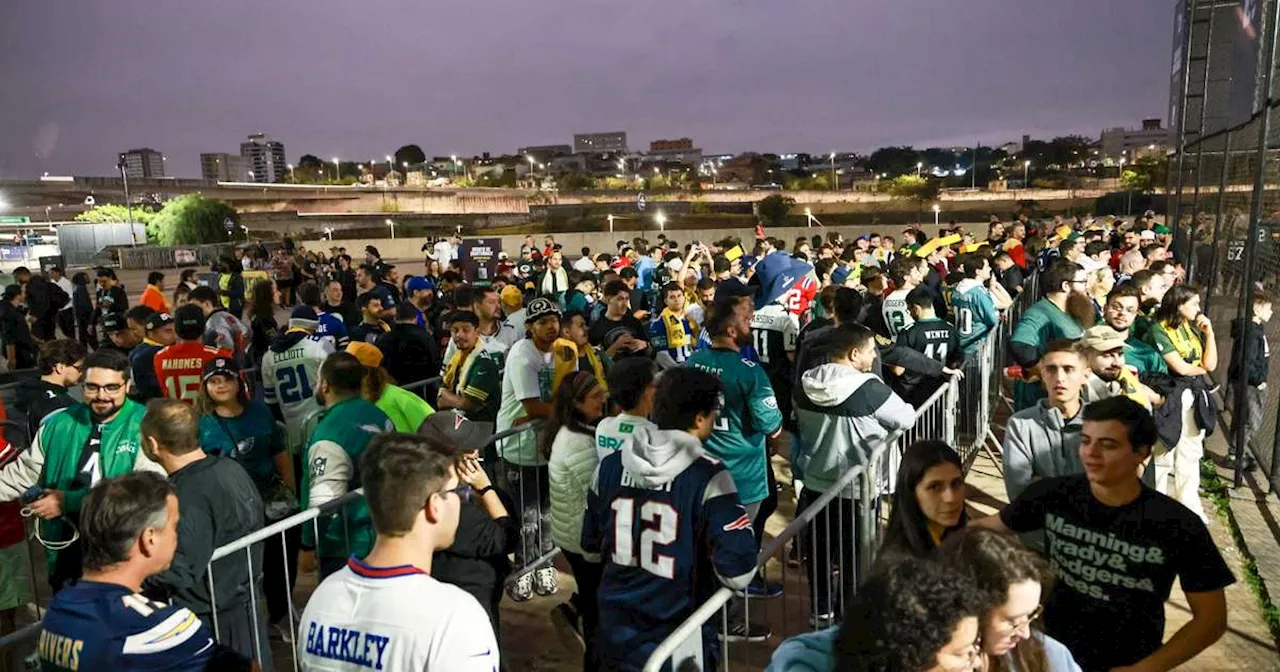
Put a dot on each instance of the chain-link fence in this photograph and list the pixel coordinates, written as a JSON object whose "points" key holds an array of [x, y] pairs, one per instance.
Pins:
{"points": [[1224, 200]]}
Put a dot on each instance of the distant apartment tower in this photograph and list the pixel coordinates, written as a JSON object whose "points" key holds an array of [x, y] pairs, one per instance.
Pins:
{"points": [[142, 163], [1133, 144], [221, 167], [670, 145], [593, 143], [264, 158], [680, 151]]}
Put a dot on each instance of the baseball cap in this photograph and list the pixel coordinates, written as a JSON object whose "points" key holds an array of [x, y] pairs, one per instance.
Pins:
{"points": [[511, 296], [159, 320], [115, 321], [1161, 229], [303, 317], [1147, 234], [542, 307], [189, 321], [418, 282], [1102, 338], [453, 428], [220, 366], [368, 354]]}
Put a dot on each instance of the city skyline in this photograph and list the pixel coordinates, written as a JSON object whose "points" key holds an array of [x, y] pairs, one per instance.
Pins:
{"points": [[356, 82]]}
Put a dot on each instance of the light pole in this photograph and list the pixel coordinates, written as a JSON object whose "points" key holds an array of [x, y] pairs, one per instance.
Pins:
{"points": [[808, 218], [610, 223], [128, 207], [393, 228], [714, 174], [337, 170], [661, 219], [835, 185], [390, 163], [937, 211], [290, 167], [532, 166], [1026, 169], [919, 165]]}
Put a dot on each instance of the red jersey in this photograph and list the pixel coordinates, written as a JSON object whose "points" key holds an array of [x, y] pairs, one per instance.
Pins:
{"points": [[12, 530], [179, 367]]}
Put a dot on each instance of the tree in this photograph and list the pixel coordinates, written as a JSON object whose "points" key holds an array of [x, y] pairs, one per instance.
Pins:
{"points": [[115, 214], [775, 208], [913, 188], [575, 182], [894, 160], [1132, 180], [410, 154], [192, 219], [310, 161]]}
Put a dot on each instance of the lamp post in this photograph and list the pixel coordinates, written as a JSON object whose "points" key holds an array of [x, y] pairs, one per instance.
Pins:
{"points": [[390, 163], [835, 185], [610, 223], [337, 170], [661, 219], [128, 207], [532, 166], [919, 165], [937, 211], [1026, 169], [290, 167], [808, 218], [393, 228]]}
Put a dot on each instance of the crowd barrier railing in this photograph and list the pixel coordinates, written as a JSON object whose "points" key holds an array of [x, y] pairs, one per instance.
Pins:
{"points": [[246, 545]]}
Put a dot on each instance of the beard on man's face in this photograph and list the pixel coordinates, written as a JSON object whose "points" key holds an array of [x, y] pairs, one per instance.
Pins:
{"points": [[1080, 308]]}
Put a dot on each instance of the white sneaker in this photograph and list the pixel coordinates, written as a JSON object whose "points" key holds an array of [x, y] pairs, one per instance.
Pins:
{"points": [[521, 589], [281, 633], [544, 581]]}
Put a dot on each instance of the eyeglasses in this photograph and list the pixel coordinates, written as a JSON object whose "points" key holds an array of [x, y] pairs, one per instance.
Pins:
{"points": [[111, 388], [1025, 620], [463, 491]]}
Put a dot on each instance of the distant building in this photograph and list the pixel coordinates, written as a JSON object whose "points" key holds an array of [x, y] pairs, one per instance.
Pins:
{"points": [[264, 158], [593, 143], [222, 167], [544, 153], [670, 145], [1134, 144], [142, 163]]}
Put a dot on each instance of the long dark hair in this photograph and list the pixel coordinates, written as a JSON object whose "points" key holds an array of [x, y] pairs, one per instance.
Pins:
{"points": [[908, 529], [262, 302], [1172, 302], [564, 410], [996, 561]]}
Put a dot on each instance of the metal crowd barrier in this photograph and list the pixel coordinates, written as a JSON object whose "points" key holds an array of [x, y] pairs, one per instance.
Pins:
{"points": [[247, 543]]}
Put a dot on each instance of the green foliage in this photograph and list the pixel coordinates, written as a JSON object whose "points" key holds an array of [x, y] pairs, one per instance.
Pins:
{"points": [[575, 182], [410, 154], [895, 160], [1132, 180], [775, 208], [192, 219], [913, 188], [818, 182], [1216, 490], [699, 207], [110, 213]]}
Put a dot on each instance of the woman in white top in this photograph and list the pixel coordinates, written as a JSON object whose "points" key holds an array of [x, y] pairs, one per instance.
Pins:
{"points": [[568, 443]]}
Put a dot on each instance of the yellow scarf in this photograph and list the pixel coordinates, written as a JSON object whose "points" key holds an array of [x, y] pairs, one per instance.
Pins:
{"points": [[1186, 341], [677, 336], [456, 370], [564, 359]]}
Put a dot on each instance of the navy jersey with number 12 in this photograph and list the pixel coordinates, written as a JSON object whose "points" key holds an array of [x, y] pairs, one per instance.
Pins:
{"points": [[667, 546]]}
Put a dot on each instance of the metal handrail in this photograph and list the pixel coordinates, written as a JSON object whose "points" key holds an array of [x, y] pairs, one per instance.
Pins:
{"points": [[704, 613]]}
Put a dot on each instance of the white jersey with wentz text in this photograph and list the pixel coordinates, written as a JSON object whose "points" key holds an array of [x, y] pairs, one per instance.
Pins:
{"points": [[397, 619], [290, 379], [896, 315]]}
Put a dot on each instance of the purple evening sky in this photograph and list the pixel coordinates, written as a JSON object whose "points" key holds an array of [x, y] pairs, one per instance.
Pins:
{"points": [[85, 79]]}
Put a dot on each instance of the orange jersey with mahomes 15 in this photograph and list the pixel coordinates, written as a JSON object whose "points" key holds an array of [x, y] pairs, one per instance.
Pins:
{"points": [[179, 367]]}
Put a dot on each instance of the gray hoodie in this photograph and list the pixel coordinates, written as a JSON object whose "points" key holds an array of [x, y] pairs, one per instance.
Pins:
{"points": [[1040, 443], [656, 456], [844, 415]]}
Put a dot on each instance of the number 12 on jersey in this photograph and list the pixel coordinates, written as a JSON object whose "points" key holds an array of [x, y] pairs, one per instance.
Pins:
{"points": [[658, 526]]}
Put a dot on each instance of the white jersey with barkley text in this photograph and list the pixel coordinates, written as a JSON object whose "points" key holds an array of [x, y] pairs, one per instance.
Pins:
{"points": [[290, 378], [397, 619]]}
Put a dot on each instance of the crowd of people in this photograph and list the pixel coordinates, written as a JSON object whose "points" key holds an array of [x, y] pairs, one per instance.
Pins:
{"points": [[641, 396]]}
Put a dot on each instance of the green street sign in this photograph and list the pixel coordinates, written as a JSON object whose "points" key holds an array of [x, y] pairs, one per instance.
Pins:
{"points": [[15, 219]]}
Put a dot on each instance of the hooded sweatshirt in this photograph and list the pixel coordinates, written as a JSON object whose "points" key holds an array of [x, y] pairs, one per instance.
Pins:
{"points": [[1040, 443], [975, 313], [843, 415], [37, 399]]}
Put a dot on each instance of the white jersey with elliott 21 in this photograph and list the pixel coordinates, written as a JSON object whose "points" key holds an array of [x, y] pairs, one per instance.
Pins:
{"points": [[290, 377], [394, 618]]}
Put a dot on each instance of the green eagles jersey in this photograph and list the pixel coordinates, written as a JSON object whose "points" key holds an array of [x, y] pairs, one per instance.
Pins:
{"points": [[1043, 322], [331, 470], [748, 414]]}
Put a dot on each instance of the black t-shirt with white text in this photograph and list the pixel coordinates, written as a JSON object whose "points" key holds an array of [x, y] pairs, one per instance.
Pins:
{"points": [[1114, 566]]}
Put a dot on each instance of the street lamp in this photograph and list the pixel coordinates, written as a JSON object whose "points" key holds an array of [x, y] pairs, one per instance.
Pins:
{"points": [[390, 163], [393, 228], [290, 167], [337, 170], [808, 216], [532, 166], [919, 165], [937, 210], [610, 223], [328, 231], [661, 219], [834, 182], [1026, 168]]}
